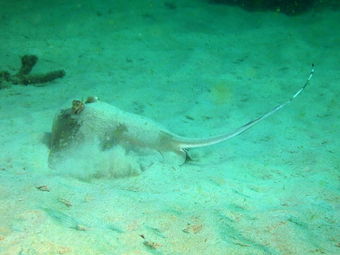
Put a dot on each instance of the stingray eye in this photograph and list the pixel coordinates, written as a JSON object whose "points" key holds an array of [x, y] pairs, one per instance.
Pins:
{"points": [[91, 100], [77, 106]]}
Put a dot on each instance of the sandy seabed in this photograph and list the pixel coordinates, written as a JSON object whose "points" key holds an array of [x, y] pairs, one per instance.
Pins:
{"points": [[198, 69]]}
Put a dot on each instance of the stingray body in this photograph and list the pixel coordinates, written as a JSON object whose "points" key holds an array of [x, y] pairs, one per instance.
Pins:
{"points": [[107, 125]]}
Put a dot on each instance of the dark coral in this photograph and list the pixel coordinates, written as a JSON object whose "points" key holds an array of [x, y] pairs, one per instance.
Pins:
{"points": [[24, 76]]}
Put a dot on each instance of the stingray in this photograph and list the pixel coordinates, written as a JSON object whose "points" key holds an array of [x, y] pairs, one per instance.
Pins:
{"points": [[95, 121]]}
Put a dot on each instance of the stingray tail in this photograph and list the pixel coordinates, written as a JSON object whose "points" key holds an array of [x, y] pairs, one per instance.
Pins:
{"points": [[186, 143]]}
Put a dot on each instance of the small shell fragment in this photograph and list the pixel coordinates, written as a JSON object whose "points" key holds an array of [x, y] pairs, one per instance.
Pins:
{"points": [[193, 228], [152, 245], [65, 202], [43, 188]]}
